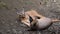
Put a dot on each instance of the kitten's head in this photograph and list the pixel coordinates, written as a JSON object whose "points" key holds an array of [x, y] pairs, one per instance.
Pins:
{"points": [[21, 13], [23, 17]]}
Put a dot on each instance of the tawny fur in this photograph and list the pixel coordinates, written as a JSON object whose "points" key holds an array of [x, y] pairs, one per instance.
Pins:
{"points": [[40, 23]]}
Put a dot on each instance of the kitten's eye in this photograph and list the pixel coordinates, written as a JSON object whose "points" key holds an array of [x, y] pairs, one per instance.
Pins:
{"points": [[37, 17], [23, 17]]}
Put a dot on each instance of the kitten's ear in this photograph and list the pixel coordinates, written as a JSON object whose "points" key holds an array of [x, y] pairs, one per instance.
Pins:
{"points": [[23, 12]]}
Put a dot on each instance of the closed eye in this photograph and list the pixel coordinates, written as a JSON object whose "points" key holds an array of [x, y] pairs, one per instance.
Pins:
{"points": [[37, 17]]}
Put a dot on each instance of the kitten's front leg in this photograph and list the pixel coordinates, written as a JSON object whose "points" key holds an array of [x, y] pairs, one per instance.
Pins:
{"points": [[26, 23]]}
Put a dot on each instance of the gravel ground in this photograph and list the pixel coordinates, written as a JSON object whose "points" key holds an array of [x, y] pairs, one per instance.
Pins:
{"points": [[8, 16]]}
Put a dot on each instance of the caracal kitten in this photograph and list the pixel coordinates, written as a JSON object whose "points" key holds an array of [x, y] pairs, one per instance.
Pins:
{"points": [[38, 22]]}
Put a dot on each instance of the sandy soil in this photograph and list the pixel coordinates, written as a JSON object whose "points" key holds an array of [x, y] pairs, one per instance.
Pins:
{"points": [[8, 16]]}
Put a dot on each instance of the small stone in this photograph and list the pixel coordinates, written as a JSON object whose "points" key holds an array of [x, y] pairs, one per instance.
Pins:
{"points": [[11, 23], [0, 32], [54, 0], [20, 32], [9, 30], [16, 22], [14, 31], [3, 22]]}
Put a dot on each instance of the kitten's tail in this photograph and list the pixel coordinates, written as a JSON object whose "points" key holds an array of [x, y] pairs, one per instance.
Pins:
{"points": [[55, 20]]}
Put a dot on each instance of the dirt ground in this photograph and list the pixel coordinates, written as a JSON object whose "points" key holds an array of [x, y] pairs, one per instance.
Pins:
{"points": [[8, 16]]}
